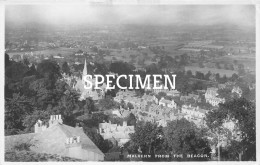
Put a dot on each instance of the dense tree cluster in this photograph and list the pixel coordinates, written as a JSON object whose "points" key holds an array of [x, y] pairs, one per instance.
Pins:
{"points": [[242, 113], [33, 94], [179, 137]]}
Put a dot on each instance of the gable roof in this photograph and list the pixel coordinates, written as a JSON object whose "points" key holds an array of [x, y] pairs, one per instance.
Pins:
{"points": [[52, 140], [85, 140]]}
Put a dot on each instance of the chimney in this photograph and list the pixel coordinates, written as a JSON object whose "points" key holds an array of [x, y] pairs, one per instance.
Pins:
{"points": [[39, 127], [124, 123], [54, 119]]}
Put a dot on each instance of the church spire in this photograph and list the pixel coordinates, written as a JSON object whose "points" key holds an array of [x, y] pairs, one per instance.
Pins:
{"points": [[85, 72]]}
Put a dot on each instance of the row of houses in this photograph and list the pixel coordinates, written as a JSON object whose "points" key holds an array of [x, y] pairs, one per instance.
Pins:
{"points": [[141, 102]]}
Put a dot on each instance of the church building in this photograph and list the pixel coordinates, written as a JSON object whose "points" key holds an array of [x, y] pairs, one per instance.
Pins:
{"points": [[93, 93]]}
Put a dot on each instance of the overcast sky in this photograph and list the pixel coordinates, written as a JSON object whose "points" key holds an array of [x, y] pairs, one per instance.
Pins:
{"points": [[170, 14]]}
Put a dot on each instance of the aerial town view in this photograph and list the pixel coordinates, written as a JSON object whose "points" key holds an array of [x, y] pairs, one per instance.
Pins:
{"points": [[207, 113]]}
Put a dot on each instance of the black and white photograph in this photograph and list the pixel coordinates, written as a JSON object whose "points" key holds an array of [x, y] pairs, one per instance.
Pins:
{"points": [[129, 83]]}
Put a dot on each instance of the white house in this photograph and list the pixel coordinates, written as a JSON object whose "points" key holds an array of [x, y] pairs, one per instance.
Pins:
{"points": [[211, 97], [237, 90], [168, 103], [59, 139]]}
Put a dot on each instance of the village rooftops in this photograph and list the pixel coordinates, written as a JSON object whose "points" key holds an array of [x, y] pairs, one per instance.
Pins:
{"points": [[191, 108]]}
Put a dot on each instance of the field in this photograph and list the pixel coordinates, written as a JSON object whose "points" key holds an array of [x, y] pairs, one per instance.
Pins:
{"points": [[47, 52], [248, 60], [221, 72], [124, 55]]}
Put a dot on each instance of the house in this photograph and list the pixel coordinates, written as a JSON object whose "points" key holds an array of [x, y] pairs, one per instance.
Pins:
{"points": [[79, 53], [167, 103], [163, 88], [190, 97], [59, 139], [122, 113], [211, 97], [215, 101], [194, 111], [237, 90], [57, 57], [195, 97], [149, 98], [158, 114], [129, 97], [17, 57], [174, 93], [222, 86], [114, 131], [194, 114]]}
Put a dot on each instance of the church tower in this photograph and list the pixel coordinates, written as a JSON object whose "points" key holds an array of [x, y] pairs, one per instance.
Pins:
{"points": [[85, 72]]}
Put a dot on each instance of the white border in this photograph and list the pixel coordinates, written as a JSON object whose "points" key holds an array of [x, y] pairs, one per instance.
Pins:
{"points": [[127, 2]]}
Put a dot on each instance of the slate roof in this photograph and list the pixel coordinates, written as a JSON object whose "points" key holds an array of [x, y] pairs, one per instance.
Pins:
{"points": [[52, 140], [85, 140], [165, 101]]}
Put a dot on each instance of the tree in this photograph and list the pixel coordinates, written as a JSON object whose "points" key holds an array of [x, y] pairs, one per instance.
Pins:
{"points": [[39, 95], [234, 77], [130, 105], [217, 77], [241, 69], [207, 76], [148, 137], [106, 103], [16, 109], [184, 59], [189, 73], [231, 67], [49, 69], [242, 113], [184, 137], [201, 65], [225, 93], [160, 95], [65, 68], [199, 75], [7, 60], [87, 106], [217, 65], [226, 66], [26, 61], [95, 119], [223, 80], [32, 71], [121, 68], [16, 71], [103, 145], [139, 92], [131, 120]]}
